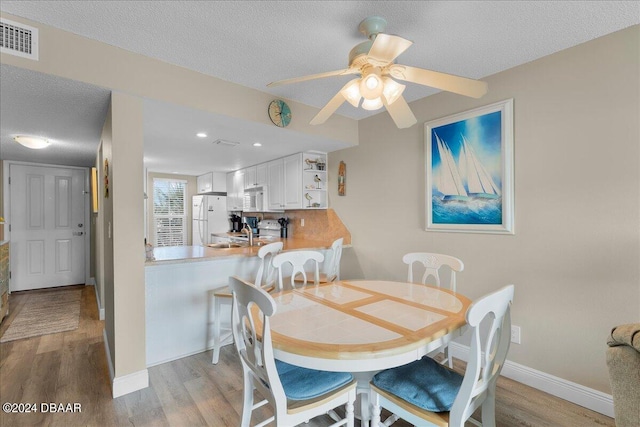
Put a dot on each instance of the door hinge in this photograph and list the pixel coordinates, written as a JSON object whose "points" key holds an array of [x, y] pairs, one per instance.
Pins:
{"points": [[9, 180], [9, 275], [9, 228]]}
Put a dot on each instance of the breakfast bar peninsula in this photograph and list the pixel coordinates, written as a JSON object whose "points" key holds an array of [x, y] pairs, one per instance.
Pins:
{"points": [[180, 282]]}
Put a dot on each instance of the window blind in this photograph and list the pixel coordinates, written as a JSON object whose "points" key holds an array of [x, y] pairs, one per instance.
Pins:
{"points": [[170, 212]]}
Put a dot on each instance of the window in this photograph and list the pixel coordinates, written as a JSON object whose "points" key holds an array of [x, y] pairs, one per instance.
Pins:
{"points": [[170, 212]]}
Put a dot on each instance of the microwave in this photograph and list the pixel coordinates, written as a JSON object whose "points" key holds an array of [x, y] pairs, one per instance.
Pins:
{"points": [[255, 200]]}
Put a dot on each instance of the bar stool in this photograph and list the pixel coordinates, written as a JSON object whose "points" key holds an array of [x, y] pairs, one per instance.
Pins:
{"points": [[265, 279]]}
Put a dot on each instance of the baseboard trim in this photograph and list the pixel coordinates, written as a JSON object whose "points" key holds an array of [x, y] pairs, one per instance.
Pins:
{"points": [[567, 390], [130, 383], [92, 282], [127, 383], [108, 355]]}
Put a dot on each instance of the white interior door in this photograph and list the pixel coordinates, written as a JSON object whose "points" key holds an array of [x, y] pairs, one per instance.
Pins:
{"points": [[47, 226]]}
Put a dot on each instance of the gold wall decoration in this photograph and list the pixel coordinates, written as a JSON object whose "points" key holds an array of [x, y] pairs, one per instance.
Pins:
{"points": [[106, 178]]}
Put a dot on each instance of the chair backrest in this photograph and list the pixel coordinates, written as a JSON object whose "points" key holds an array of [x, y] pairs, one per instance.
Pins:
{"points": [[297, 260], [331, 265], [489, 347], [254, 345], [432, 263], [266, 272]]}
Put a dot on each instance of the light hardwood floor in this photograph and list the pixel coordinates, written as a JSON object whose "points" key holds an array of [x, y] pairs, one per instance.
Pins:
{"points": [[71, 367]]}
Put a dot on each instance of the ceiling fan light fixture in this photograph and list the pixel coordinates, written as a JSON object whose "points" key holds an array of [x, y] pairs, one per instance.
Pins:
{"points": [[371, 86], [372, 104], [33, 142], [351, 92], [392, 90]]}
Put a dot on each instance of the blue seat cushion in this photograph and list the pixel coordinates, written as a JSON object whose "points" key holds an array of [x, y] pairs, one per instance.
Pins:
{"points": [[424, 383], [302, 383]]}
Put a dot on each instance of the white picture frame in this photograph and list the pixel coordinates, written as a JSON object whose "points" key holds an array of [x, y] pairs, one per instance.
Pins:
{"points": [[469, 171]]}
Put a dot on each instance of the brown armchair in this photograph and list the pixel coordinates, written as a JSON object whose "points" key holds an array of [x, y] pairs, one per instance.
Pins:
{"points": [[623, 361]]}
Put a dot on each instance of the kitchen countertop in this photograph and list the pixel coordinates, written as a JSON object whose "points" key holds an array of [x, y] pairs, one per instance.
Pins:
{"points": [[185, 254]]}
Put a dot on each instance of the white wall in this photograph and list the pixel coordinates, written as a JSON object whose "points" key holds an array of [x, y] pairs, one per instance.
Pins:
{"points": [[575, 256]]}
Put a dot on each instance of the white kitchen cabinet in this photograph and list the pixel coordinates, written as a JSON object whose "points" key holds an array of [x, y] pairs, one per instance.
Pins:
{"points": [[285, 183], [298, 181], [261, 175], [292, 192], [255, 176], [249, 178], [235, 190], [211, 182], [275, 178]]}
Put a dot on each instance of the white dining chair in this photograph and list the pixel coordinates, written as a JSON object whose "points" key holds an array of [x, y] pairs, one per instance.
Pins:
{"points": [[296, 394], [425, 393], [265, 278], [432, 263], [296, 260], [330, 268]]}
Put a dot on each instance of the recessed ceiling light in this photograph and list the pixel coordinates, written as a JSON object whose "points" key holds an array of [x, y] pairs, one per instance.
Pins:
{"points": [[33, 142], [201, 135], [257, 144]]}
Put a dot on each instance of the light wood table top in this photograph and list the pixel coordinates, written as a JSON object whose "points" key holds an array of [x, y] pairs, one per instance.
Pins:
{"points": [[364, 325]]}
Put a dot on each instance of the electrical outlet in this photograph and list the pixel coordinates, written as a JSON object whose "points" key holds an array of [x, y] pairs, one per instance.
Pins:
{"points": [[515, 334], [301, 222]]}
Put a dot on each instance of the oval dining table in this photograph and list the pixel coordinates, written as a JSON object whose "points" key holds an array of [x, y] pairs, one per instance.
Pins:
{"points": [[364, 326]]}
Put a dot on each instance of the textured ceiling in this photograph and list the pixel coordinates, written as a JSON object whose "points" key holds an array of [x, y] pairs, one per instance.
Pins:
{"points": [[253, 43], [68, 113]]}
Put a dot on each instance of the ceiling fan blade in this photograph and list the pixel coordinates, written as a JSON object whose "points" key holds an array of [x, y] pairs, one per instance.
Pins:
{"points": [[328, 109], [346, 71], [448, 82], [387, 47], [400, 113]]}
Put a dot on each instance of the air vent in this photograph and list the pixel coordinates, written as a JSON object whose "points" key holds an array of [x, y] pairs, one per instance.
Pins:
{"points": [[226, 142], [18, 39]]}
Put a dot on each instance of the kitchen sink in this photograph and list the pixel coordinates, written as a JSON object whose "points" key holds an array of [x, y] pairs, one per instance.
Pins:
{"points": [[226, 245]]}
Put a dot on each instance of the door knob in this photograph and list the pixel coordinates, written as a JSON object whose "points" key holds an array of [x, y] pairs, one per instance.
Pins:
{"points": [[78, 233]]}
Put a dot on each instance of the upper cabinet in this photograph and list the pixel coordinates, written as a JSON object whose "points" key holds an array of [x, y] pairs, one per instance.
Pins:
{"points": [[235, 190], [292, 167], [255, 176], [275, 179], [211, 182], [298, 181]]}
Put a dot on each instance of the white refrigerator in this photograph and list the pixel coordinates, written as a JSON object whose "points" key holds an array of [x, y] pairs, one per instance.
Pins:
{"points": [[209, 216]]}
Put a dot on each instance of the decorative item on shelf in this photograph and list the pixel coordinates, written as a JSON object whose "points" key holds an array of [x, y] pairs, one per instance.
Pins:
{"points": [[317, 180], [310, 187], [308, 197], [342, 177], [315, 205], [310, 164], [320, 163]]}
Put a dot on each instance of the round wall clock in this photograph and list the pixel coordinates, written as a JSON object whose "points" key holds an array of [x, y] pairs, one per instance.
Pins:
{"points": [[279, 113]]}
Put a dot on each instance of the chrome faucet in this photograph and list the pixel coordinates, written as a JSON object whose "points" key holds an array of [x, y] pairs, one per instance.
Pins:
{"points": [[249, 232]]}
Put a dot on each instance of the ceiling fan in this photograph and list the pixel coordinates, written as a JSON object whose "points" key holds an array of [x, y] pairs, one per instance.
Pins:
{"points": [[373, 61]]}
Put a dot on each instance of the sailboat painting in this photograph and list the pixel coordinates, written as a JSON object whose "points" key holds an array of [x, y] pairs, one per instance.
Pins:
{"points": [[469, 163]]}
